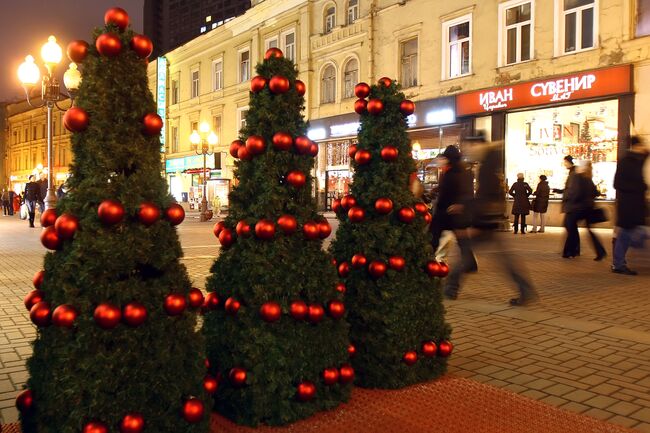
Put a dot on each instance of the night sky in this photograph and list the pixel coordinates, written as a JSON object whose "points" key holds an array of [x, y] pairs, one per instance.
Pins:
{"points": [[26, 24]]}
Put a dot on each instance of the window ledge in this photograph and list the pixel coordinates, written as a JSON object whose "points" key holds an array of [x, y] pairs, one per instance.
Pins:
{"points": [[585, 50], [514, 65], [471, 74]]}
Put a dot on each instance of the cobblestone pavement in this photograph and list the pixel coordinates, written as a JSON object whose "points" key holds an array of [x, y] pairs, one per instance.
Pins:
{"points": [[584, 347]]}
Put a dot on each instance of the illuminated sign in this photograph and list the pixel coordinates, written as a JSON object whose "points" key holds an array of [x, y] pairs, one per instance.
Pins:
{"points": [[344, 129], [161, 97], [441, 116], [317, 133], [194, 162], [590, 84]]}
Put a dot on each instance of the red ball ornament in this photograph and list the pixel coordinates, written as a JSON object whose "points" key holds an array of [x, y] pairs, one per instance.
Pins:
{"points": [[244, 154], [195, 297], [427, 218], [279, 84], [298, 310], [33, 298], [117, 16], [48, 218], [407, 107], [383, 205], [389, 153], [360, 106], [406, 214], [344, 269], [210, 384], [175, 304], [445, 348], [108, 44], [193, 410], [340, 287], [50, 239], [95, 427], [148, 214], [315, 313], [324, 229], [377, 269], [77, 51], [352, 350], [346, 374], [273, 53], [311, 231], [421, 208], [352, 150], [134, 314], [348, 202], [362, 90], [211, 301], [362, 157], [107, 316], [37, 279], [330, 376], [110, 212], [336, 309], [396, 263], [305, 391], [265, 229], [142, 46], [237, 377], [336, 205], [375, 106], [232, 305], [429, 349], [356, 214], [271, 311], [300, 88], [243, 229], [410, 358], [234, 148], [313, 149], [296, 178], [433, 268], [226, 239], [444, 270], [385, 81], [282, 141], [288, 224], [258, 83], [303, 145], [64, 316], [175, 214], [75, 119], [66, 225], [41, 314], [25, 401], [255, 144], [359, 261], [132, 423], [152, 124]]}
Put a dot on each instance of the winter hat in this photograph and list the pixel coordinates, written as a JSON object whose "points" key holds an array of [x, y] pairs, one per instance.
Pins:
{"points": [[569, 158], [452, 153], [542, 177]]}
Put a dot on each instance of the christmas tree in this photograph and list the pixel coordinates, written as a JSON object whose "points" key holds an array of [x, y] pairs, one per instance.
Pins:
{"points": [[117, 347], [383, 252], [274, 317]]}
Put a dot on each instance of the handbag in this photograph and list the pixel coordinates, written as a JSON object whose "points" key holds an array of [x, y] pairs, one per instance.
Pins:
{"points": [[24, 213], [596, 215]]}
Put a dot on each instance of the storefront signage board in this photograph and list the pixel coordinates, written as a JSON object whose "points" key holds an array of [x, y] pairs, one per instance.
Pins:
{"points": [[189, 162], [583, 85], [161, 97]]}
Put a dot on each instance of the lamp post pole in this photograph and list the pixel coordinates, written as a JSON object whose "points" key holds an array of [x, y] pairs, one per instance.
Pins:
{"points": [[205, 140]]}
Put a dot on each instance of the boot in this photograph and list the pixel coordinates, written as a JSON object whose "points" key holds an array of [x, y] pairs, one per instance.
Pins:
{"points": [[523, 229]]}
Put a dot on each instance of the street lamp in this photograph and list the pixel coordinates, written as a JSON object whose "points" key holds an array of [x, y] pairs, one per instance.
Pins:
{"points": [[204, 141], [29, 74]]}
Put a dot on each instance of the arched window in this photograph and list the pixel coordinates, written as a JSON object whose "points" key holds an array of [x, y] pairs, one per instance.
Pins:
{"points": [[350, 78], [328, 85], [353, 11], [330, 18]]}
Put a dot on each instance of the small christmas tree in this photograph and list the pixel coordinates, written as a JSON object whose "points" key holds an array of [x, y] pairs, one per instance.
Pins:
{"points": [[274, 315], [383, 252], [117, 347]]}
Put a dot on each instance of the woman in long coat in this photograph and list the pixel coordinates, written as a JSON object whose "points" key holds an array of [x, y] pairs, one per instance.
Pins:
{"points": [[540, 204], [520, 191]]}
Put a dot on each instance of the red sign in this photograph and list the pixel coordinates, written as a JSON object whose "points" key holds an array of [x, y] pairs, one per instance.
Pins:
{"points": [[583, 85]]}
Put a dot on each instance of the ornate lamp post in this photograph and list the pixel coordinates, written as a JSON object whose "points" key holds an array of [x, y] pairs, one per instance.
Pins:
{"points": [[29, 74], [204, 141]]}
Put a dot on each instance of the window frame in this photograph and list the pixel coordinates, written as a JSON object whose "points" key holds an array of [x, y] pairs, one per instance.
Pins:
{"points": [[284, 44], [446, 25], [560, 20], [329, 24], [323, 88], [344, 93], [354, 9], [195, 91], [267, 42], [241, 117], [637, 15], [174, 91], [240, 77], [215, 128], [173, 145], [503, 32], [401, 46], [217, 83]]}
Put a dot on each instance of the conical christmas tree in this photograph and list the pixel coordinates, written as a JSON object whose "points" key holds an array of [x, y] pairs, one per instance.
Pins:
{"points": [[383, 253], [117, 346], [274, 326]]}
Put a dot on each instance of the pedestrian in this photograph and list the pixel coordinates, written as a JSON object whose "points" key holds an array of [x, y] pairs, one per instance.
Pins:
{"points": [[630, 204], [12, 199], [216, 205], [42, 185], [587, 193], [32, 197], [18, 201], [540, 204], [61, 191], [570, 208], [5, 202], [520, 191]]}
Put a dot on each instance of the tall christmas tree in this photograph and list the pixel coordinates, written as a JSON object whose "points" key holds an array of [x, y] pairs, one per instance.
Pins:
{"points": [[117, 346], [383, 253], [274, 321]]}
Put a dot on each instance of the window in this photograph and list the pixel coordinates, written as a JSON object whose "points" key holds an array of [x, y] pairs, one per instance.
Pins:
{"points": [[457, 49], [241, 117], [34, 133], [516, 23], [15, 138], [26, 134], [353, 11], [44, 130], [350, 78], [642, 18], [289, 41], [409, 63], [578, 21], [216, 125], [328, 85], [244, 66], [271, 43], [330, 19], [174, 139], [174, 92], [217, 74], [195, 83]]}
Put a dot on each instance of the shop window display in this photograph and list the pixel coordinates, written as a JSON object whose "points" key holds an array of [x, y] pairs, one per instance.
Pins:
{"points": [[537, 140]]}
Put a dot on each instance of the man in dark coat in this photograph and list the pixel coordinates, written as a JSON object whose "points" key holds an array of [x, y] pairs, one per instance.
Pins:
{"points": [[570, 208], [630, 203], [32, 197], [42, 184], [520, 191]]}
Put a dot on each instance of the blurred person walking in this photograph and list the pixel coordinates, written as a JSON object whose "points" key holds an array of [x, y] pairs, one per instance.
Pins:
{"points": [[5, 202], [587, 193], [540, 204], [570, 207], [32, 197], [520, 191], [42, 185]]}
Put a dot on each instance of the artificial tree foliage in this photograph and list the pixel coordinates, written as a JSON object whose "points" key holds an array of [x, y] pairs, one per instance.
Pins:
{"points": [[277, 356], [395, 313], [86, 373]]}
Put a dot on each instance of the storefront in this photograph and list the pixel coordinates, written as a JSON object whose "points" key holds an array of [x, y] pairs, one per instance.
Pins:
{"points": [[586, 115], [185, 179]]}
